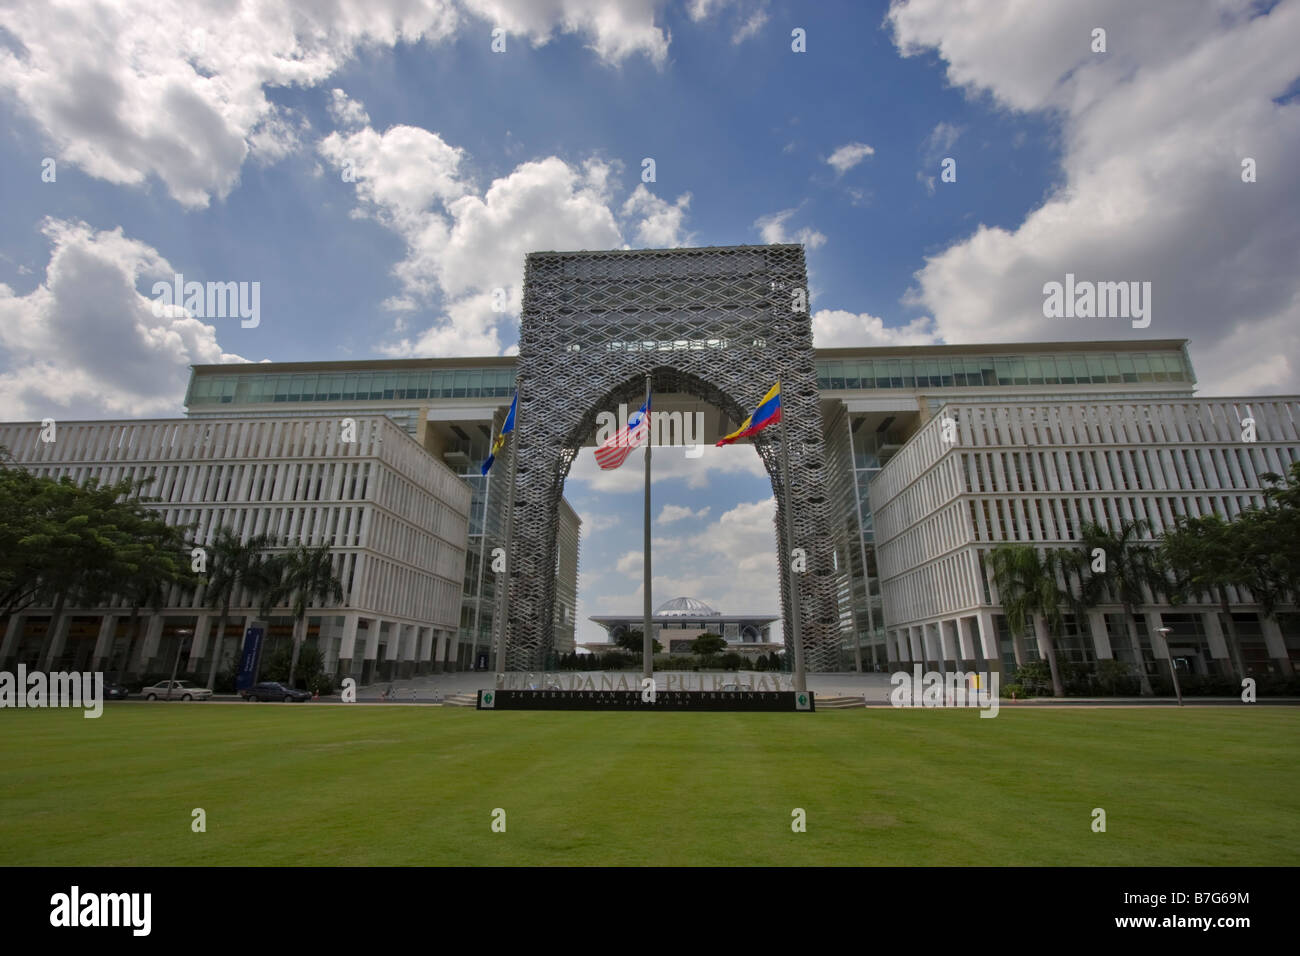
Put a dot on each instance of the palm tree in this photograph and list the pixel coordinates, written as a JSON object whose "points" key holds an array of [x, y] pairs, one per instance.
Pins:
{"points": [[236, 564], [308, 578], [1206, 556], [1029, 585], [1130, 570]]}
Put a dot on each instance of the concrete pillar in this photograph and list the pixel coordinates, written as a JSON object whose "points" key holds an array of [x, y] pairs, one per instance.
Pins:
{"points": [[440, 655], [1214, 636], [948, 643], [146, 649], [914, 645], [104, 642], [203, 627], [1275, 643], [988, 638], [347, 647], [1159, 647], [424, 655], [410, 640], [60, 639], [1100, 636], [9, 647], [967, 646]]}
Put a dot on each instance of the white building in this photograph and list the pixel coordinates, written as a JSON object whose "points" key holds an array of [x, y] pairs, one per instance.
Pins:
{"points": [[979, 474], [395, 515]]}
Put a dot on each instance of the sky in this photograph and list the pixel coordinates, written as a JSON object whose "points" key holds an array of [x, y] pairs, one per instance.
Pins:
{"points": [[381, 167]]}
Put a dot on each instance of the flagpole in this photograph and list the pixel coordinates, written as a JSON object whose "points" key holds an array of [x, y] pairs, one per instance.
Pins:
{"points": [[504, 596], [647, 640], [800, 679], [482, 553]]}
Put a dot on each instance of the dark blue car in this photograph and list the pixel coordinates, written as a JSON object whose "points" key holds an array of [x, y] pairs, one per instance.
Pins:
{"points": [[274, 690]]}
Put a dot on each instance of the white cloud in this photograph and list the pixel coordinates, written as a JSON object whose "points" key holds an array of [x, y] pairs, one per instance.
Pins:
{"points": [[772, 229], [175, 89], [668, 464], [614, 31], [1153, 134], [660, 226], [347, 111], [837, 328], [729, 564], [671, 513], [85, 343], [849, 155], [756, 21], [463, 246], [747, 16]]}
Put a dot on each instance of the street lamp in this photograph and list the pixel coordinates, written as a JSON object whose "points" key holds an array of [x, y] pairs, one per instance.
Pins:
{"points": [[1173, 671], [180, 642]]}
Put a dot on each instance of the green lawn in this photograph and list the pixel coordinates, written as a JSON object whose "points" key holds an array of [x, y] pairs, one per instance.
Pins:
{"points": [[304, 784]]}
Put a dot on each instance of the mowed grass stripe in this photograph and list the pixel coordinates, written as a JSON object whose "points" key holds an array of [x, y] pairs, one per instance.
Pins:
{"points": [[334, 785]]}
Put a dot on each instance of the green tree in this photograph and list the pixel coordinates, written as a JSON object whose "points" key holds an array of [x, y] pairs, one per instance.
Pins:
{"points": [[235, 564], [308, 578], [633, 641], [708, 644], [78, 540], [152, 560], [1029, 585], [1125, 570], [1207, 555]]}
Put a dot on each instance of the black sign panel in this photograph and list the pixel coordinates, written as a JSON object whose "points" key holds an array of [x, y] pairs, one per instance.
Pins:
{"points": [[756, 700]]}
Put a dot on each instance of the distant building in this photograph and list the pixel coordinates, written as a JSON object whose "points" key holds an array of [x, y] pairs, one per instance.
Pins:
{"points": [[678, 622], [979, 474], [395, 516]]}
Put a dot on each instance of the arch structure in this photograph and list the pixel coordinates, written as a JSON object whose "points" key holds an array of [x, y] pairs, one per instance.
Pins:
{"points": [[720, 324]]}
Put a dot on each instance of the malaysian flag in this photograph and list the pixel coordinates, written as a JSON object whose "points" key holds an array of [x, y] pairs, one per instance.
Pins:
{"points": [[614, 450]]}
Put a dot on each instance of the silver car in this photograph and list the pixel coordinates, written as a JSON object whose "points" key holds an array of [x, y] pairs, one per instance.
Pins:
{"points": [[179, 690]]}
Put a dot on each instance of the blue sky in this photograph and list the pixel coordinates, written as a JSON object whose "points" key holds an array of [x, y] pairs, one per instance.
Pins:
{"points": [[216, 140]]}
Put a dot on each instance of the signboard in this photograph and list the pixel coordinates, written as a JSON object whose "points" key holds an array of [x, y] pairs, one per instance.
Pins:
{"points": [[675, 700], [481, 662], [251, 656]]}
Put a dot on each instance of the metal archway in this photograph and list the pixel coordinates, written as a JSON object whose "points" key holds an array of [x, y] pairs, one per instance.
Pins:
{"points": [[718, 323]]}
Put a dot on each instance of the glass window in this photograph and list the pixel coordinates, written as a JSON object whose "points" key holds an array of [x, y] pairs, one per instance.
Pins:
{"points": [[1096, 372], [460, 383], [475, 382], [1127, 370], [900, 374], [1111, 365], [945, 371], [350, 388], [883, 373], [835, 372], [852, 378], [1002, 371], [1033, 370], [1050, 375], [823, 374], [1080, 365]]}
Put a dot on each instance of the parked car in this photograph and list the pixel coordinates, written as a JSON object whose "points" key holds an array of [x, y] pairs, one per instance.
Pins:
{"points": [[180, 690], [116, 692], [274, 690]]}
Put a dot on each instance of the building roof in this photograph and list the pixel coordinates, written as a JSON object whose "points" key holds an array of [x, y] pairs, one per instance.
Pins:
{"points": [[685, 607]]}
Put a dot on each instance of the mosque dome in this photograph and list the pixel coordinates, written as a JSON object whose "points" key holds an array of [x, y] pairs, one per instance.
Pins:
{"points": [[685, 607]]}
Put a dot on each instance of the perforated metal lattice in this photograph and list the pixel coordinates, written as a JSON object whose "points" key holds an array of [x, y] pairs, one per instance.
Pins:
{"points": [[717, 323]]}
